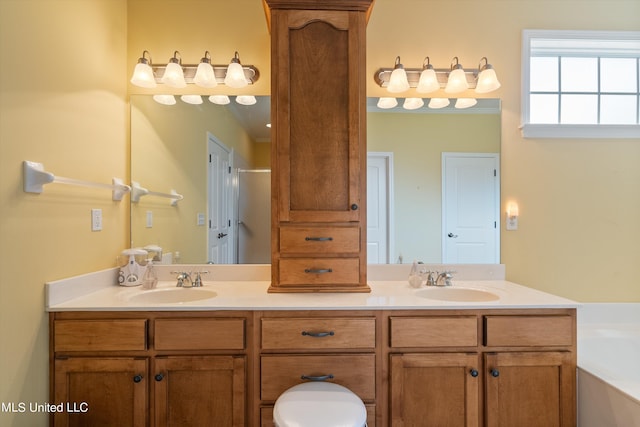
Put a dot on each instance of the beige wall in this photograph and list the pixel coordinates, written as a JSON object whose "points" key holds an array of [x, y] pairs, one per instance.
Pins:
{"points": [[62, 103], [579, 200]]}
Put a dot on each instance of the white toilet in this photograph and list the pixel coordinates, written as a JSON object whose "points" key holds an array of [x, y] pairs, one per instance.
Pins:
{"points": [[319, 404]]}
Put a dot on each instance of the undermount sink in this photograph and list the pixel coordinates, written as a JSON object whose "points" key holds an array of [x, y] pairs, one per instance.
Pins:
{"points": [[457, 294], [172, 295]]}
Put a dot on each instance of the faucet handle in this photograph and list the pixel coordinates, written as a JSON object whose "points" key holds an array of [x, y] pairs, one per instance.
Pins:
{"points": [[197, 282]]}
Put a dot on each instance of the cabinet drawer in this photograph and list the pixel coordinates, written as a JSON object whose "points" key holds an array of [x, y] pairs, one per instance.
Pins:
{"points": [[528, 330], [303, 271], [199, 334], [100, 335], [355, 371], [318, 333], [441, 331], [320, 240]]}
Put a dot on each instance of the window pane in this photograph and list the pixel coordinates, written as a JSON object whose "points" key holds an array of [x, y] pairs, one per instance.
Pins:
{"points": [[579, 109], [544, 109], [618, 75], [618, 109], [543, 74], [579, 74]]}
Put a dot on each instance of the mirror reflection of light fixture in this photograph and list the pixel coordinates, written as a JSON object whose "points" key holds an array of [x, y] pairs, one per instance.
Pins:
{"points": [[387, 102], [235, 74], [487, 78], [246, 99], [457, 81], [428, 79], [398, 81], [143, 73], [412, 103], [192, 99], [462, 103], [205, 77], [165, 99], [173, 74], [219, 99], [512, 215], [436, 103]]}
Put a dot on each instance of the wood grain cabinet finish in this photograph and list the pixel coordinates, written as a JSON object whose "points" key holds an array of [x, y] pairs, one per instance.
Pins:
{"points": [[318, 134], [100, 335], [199, 334], [435, 331], [311, 333]]}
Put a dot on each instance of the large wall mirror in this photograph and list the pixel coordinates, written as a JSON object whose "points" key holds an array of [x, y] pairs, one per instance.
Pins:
{"points": [[175, 148]]}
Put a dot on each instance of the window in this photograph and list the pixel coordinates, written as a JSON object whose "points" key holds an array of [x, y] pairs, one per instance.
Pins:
{"points": [[580, 84]]}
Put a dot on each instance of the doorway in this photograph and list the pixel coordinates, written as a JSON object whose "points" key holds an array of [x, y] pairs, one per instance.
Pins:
{"points": [[219, 238]]}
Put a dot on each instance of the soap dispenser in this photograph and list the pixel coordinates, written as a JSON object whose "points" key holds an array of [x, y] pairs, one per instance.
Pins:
{"points": [[415, 278], [150, 278]]}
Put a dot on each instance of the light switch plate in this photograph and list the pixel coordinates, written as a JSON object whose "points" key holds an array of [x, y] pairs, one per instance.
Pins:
{"points": [[149, 219]]}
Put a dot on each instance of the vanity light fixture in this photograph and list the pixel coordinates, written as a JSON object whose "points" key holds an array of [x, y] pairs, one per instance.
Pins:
{"points": [[246, 99], [436, 103], [428, 79], [462, 103], [398, 81], [457, 81], [204, 74], [235, 74], [387, 102], [487, 78], [165, 99], [143, 73], [219, 99], [512, 215], [412, 103], [192, 99], [173, 75]]}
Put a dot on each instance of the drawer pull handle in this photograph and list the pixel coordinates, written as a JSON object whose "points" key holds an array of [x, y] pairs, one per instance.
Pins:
{"points": [[495, 373], [317, 378], [137, 378], [319, 239], [473, 372], [318, 334], [159, 377], [318, 270]]}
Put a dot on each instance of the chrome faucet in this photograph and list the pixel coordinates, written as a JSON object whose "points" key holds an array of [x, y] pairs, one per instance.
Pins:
{"points": [[435, 278], [197, 283], [184, 279]]}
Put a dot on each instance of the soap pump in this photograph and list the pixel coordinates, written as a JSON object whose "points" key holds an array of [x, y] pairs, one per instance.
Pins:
{"points": [[132, 272]]}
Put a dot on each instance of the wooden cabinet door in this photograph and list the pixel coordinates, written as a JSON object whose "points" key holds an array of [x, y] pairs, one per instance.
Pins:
{"points": [[194, 391], [101, 391], [530, 389], [434, 389], [319, 113]]}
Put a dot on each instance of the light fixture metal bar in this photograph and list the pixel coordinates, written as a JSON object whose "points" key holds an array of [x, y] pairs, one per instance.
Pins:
{"points": [[383, 75], [251, 73]]}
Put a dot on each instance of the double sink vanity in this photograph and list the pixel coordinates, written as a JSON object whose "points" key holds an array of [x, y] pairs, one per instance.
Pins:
{"points": [[482, 352]]}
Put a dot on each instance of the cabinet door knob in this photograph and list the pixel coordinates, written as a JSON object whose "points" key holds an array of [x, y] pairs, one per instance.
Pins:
{"points": [[495, 373], [137, 378], [473, 372], [317, 377], [159, 377], [354, 207]]}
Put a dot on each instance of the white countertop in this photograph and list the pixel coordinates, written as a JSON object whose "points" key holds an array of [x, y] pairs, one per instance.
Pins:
{"points": [[97, 292]]}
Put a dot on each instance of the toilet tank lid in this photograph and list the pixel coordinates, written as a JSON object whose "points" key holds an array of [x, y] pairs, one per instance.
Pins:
{"points": [[319, 404]]}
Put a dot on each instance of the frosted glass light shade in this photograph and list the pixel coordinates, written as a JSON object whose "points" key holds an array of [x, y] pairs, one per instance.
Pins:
{"points": [[462, 103], [192, 99], [457, 81], [398, 81], [235, 76], [219, 99], [436, 103], [428, 81], [487, 81], [143, 76], [246, 99], [387, 102], [205, 76], [174, 76], [165, 99], [412, 103]]}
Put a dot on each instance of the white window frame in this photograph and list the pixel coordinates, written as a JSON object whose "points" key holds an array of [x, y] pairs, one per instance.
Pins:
{"points": [[534, 130]]}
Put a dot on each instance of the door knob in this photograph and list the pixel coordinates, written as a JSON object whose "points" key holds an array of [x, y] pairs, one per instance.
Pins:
{"points": [[221, 235], [452, 235]]}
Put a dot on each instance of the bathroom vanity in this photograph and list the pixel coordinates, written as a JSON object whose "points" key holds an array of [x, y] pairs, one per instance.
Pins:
{"points": [[506, 356]]}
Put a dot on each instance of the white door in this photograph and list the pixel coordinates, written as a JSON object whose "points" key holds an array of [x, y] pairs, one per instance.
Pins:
{"points": [[220, 186], [470, 208], [379, 207]]}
